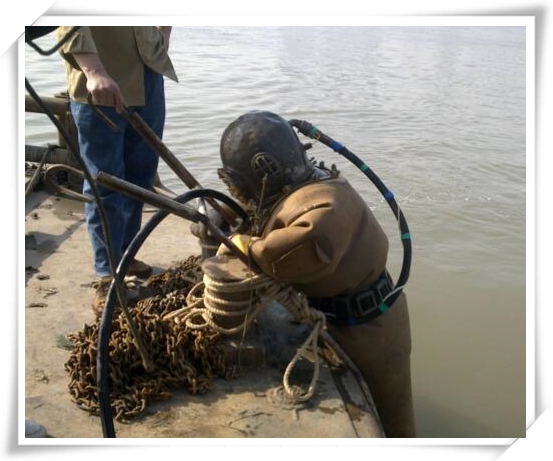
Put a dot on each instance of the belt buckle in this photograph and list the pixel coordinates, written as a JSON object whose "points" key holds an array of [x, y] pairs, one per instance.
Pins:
{"points": [[340, 307], [382, 288], [362, 296]]}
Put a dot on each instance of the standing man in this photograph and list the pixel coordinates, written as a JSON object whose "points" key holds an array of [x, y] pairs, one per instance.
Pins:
{"points": [[120, 67], [317, 234]]}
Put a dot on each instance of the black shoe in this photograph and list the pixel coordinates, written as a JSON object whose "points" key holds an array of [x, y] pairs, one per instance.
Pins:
{"points": [[139, 269]]}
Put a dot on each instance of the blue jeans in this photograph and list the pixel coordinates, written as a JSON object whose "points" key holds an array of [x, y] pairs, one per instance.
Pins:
{"points": [[125, 155]]}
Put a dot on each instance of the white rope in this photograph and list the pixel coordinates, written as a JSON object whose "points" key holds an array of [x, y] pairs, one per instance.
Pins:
{"points": [[202, 305]]}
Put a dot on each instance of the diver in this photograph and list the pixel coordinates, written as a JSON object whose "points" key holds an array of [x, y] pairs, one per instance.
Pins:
{"points": [[310, 229]]}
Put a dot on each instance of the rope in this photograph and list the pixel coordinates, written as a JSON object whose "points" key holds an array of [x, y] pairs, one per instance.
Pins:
{"points": [[201, 311]]}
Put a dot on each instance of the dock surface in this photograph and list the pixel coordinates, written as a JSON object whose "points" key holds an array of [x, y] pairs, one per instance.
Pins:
{"points": [[58, 297]]}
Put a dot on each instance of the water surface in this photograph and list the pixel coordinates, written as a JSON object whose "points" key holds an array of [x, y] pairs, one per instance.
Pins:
{"points": [[439, 114]]}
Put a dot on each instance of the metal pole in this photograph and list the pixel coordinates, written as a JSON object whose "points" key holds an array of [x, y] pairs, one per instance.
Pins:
{"points": [[153, 140], [167, 204]]}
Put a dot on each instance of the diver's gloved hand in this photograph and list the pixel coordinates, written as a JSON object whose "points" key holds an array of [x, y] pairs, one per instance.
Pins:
{"points": [[241, 241], [200, 230]]}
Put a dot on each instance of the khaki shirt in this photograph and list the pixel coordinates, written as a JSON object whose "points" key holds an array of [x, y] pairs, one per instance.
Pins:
{"points": [[123, 51], [323, 239]]}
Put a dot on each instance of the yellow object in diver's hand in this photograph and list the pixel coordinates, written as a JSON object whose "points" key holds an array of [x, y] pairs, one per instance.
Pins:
{"points": [[241, 241]]}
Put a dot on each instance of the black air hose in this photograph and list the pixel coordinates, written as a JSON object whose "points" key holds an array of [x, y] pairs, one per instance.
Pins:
{"points": [[104, 332], [312, 132]]}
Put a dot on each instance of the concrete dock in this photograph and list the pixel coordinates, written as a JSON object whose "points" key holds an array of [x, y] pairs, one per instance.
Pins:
{"points": [[58, 297]]}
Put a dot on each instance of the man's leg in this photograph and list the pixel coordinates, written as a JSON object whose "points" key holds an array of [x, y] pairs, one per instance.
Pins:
{"points": [[101, 150], [141, 161]]}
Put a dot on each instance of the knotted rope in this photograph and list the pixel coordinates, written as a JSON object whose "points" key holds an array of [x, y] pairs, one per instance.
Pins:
{"points": [[201, 312]]}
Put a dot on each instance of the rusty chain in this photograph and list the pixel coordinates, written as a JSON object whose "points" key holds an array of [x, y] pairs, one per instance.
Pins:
{"points": [[182, 357]]}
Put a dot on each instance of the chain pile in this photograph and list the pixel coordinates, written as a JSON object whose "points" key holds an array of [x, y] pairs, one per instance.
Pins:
{"points": [[182, 357]]}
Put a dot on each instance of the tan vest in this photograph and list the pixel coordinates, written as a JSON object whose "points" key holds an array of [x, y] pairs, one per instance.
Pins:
{"points": [[123, 50], [323, 239]]}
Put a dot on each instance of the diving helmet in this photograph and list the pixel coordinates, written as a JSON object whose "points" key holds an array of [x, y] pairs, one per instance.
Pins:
{"points": [[262, 157]]}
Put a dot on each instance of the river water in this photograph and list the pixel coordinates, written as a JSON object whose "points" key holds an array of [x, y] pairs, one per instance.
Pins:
{"points": [[439, 114]]}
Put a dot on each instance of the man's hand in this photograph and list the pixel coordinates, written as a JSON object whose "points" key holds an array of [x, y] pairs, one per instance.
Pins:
{"points": [[104, 90]]}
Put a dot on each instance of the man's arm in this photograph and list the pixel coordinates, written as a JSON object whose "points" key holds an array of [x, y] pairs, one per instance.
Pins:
{"points": [[105, 91], [80, 51]]}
